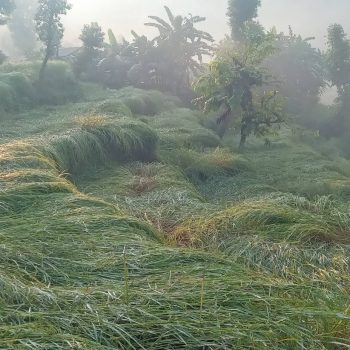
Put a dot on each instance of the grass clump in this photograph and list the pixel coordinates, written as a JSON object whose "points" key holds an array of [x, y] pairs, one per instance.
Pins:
{"points": [[181, 128], [281, 218], [113, 108], [57, 87], [201, 166], [16, 92], [94, 144], [149, 103]]}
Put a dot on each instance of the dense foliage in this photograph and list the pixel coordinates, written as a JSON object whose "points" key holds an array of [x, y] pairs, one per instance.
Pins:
{"points": [[299, 69], [241, 13]]}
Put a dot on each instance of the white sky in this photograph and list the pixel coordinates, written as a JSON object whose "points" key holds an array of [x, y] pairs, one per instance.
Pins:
{"points": [[308, 17]]}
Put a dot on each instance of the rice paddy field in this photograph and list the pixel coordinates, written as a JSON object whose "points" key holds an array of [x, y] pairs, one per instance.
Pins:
{"points": [[126, 223]]}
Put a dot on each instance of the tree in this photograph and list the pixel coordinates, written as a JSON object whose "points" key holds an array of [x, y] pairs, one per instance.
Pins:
{"points": [[146, 60], [301, 70], [113, 67], [6, 7], [50, 28], [22, 28], [90, 54], [338, 64], [240, 12], [181, 46], [338, 57], [234, 85], [92, 37]]}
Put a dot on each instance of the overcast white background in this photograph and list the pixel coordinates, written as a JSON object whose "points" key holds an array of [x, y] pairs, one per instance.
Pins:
{"points": [[308, 17]]}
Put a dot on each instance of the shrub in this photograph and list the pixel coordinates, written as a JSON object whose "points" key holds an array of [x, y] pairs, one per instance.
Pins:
{"points": [[7, 98], [58, 86], [16, 92]]}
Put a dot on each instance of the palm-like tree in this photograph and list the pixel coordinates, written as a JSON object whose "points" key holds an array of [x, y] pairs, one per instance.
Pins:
{"points": [[181, 45]]}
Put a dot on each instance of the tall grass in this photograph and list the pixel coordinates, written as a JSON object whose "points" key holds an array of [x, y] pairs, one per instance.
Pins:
{"points": [[148, 103], [16, 92], [181, 128], [81, 148], [20, 88], [282, 218], [201, 166], [97, 270]]}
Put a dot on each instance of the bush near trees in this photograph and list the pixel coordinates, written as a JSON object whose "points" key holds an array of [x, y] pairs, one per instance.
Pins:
{"points": [[49, 28]]}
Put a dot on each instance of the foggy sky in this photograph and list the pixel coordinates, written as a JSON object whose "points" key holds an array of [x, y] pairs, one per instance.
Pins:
{"points": [[307, 17]]}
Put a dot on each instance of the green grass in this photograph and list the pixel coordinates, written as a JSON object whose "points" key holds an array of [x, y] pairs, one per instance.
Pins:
{"points": [[20, 88], [128, 231], [277, 217]]}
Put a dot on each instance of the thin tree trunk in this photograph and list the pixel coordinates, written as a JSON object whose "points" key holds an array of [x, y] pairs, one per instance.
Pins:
{"points": [[247, 107], [48, 49], [242, 140], [43, 67]]}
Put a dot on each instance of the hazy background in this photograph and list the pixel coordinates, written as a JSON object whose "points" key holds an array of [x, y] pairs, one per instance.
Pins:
{"points": [[308, 17]]}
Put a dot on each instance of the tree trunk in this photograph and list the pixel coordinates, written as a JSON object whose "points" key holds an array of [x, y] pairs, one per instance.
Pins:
{"points": [[242, 140], [247, 107], [48, 49], [43, 67]]}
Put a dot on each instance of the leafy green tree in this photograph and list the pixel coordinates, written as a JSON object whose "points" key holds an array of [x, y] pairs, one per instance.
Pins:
{"points": [[92, 37], [338, 63], [22, 28], [50, 28], [301, 70], [147, 60], [241, 13], [237, 86], [113, 67], [338, 57], [181, 47], [6, 7], [90, 54]]}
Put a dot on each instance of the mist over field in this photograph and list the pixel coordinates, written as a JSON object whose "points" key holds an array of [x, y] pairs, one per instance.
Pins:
{"points": [[122, 16], [174, 175]]}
